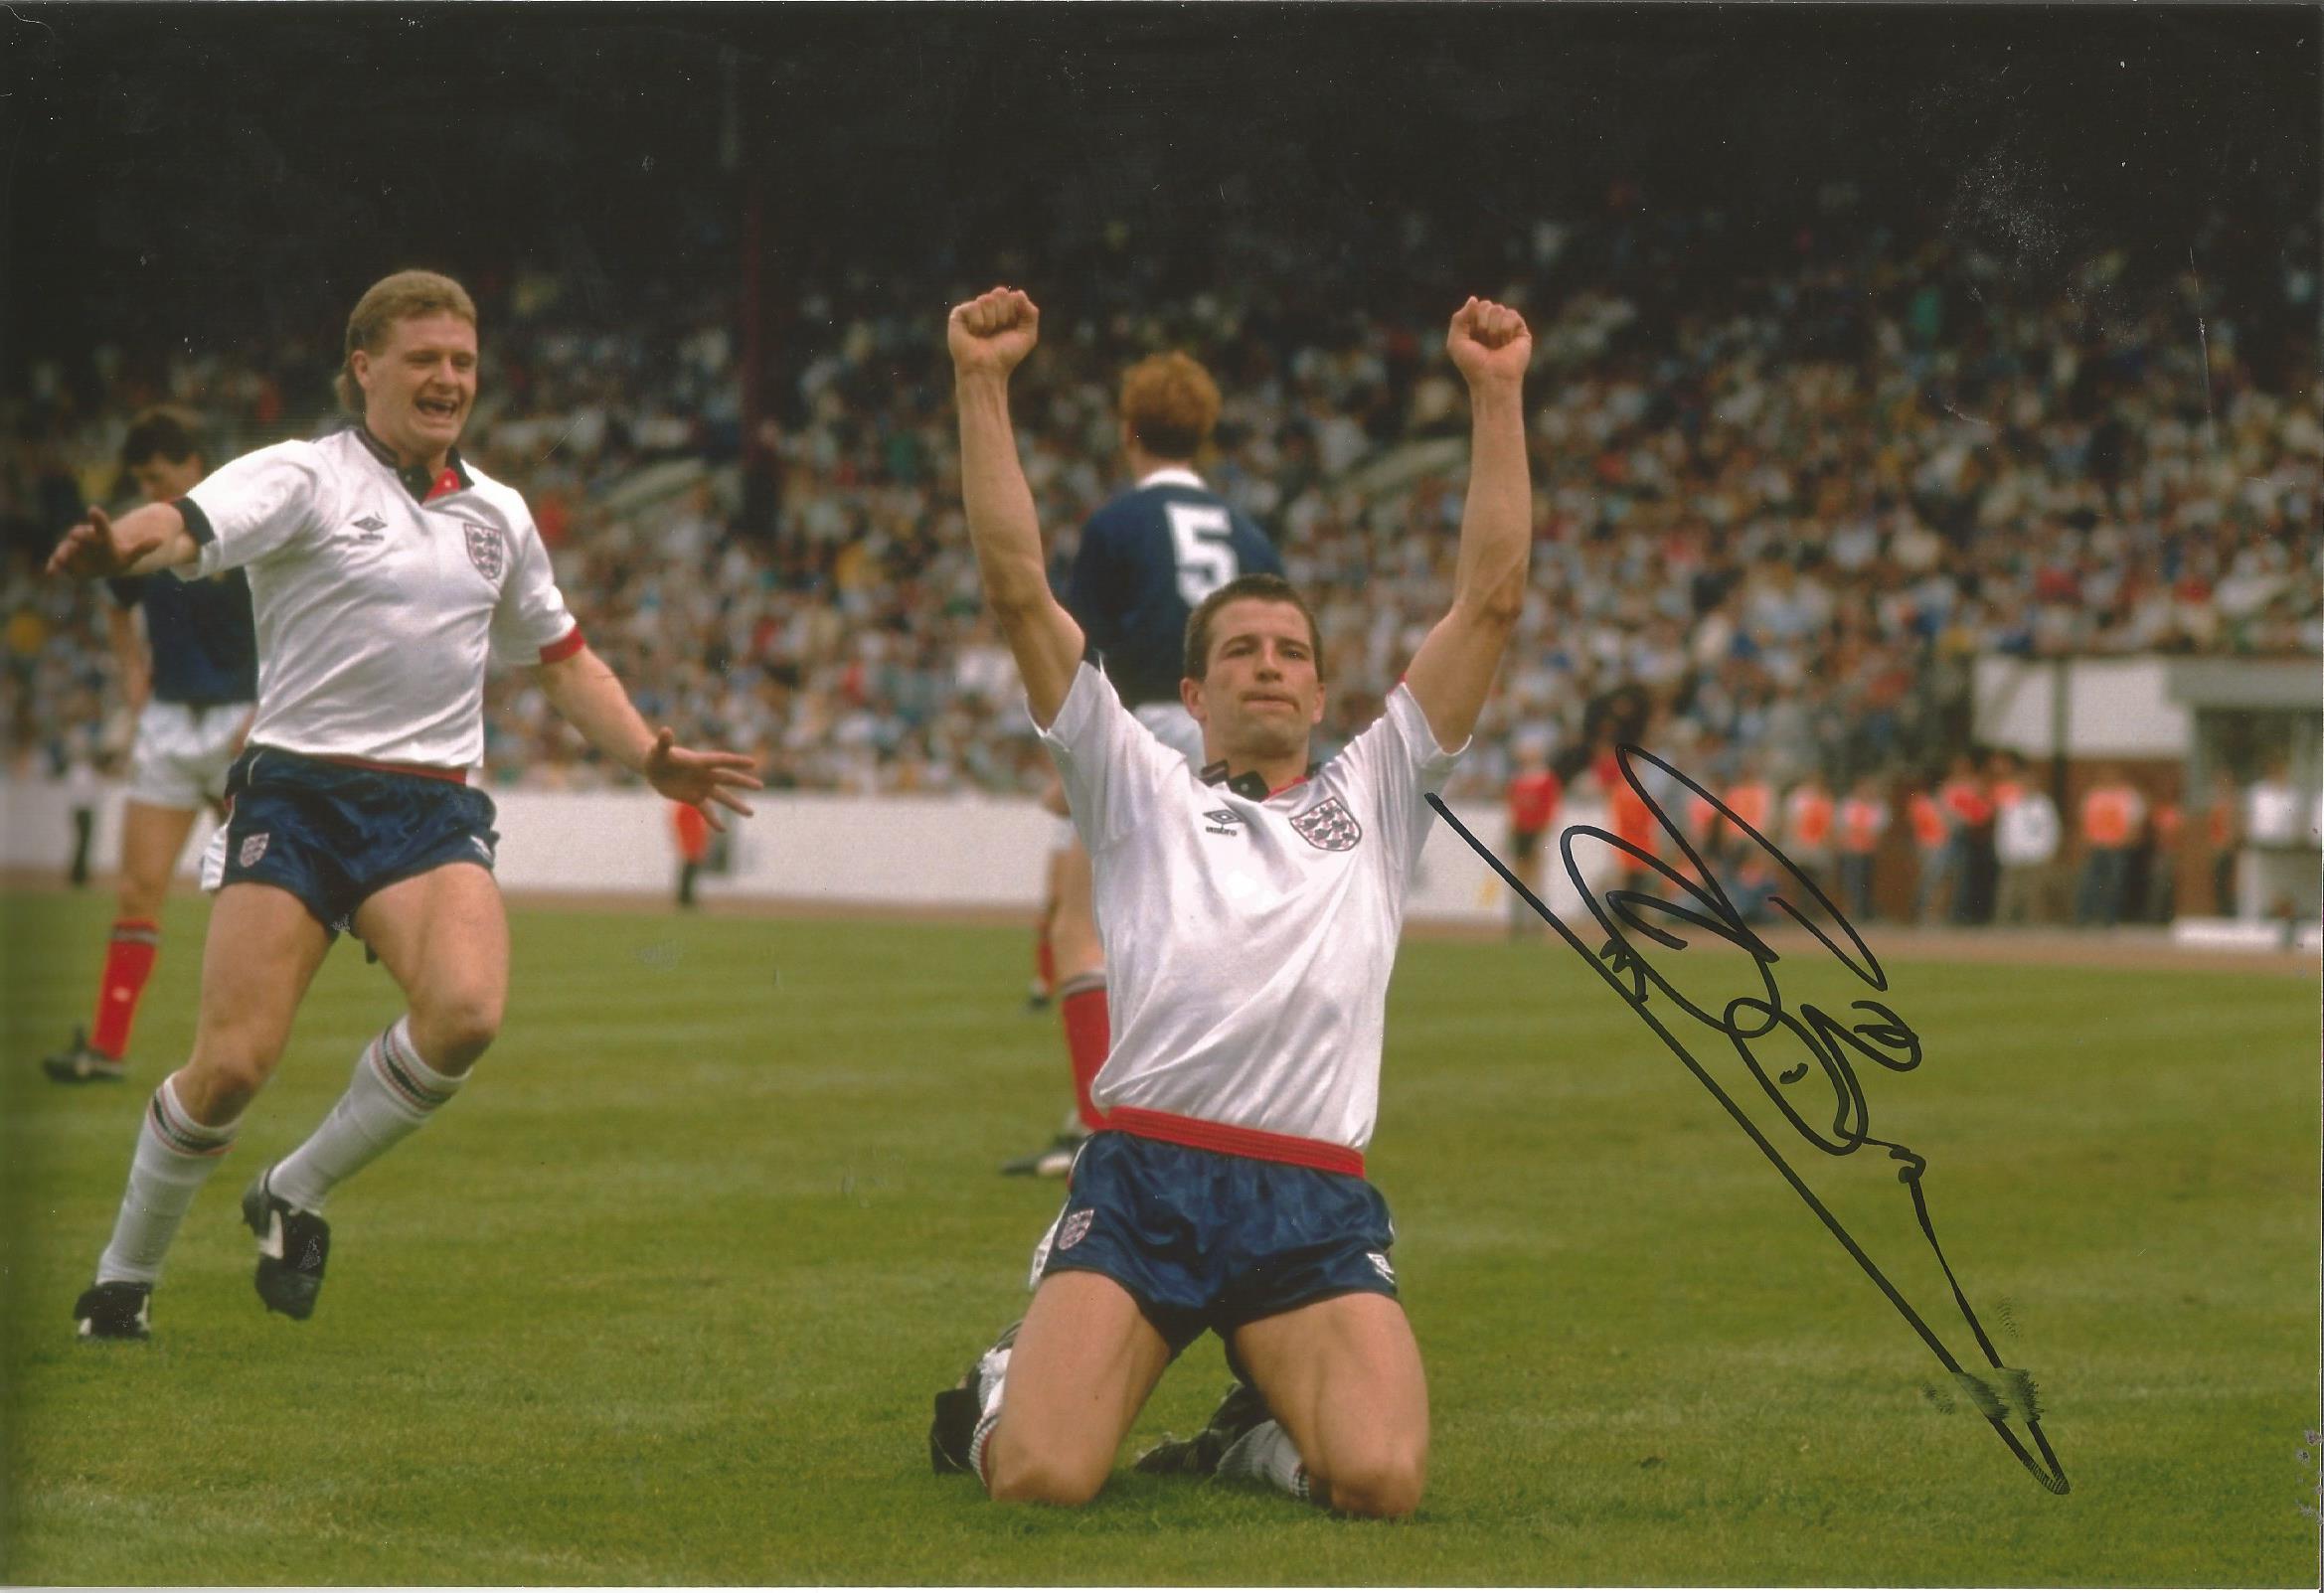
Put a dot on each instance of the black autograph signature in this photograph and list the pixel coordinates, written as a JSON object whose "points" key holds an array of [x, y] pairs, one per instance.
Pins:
{"points": [[1700, 906]]}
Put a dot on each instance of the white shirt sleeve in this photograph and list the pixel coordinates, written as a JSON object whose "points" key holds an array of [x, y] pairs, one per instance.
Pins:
{"points": [[1395, 764], [531, 620], [1112, 766], [256, 505]]}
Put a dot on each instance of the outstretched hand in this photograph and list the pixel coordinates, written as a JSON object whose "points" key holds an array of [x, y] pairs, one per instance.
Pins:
{"points": [[700, 779], [992, 332], [1489, 341], [90, 550]]}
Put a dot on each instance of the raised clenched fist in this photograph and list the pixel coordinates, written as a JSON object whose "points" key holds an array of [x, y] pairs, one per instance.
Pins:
{"points": [[1489, 341], [992, 332]]}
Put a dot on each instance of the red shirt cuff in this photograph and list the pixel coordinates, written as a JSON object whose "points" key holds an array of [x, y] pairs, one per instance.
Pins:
{"points": [[563, 648]]}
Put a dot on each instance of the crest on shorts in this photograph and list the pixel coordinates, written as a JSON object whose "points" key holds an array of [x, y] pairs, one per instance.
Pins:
{"points": [[1329, 826], [1075, 1229], [1380, 1266], [253, 848], [485, 549]]}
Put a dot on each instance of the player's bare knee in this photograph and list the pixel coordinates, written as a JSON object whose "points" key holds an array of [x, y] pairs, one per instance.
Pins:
{"points": [[1386, 1484], [1018, 1476], [456, 1029], [222, 1079], [1385, 1495]]}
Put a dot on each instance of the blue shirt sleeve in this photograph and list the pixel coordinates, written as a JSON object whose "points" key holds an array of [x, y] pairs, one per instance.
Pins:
{"points": [[1091, 599], [1258, 554]]}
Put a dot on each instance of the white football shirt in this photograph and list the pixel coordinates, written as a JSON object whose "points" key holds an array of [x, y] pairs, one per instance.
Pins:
{"points": [[376, 612], [1174, 728], [1247, 943]]}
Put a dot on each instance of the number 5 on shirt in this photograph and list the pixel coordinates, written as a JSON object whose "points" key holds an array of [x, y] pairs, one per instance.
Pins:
{"points": [[1206, 559]]}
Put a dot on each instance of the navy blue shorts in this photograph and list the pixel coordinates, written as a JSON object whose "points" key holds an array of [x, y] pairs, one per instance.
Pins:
{"points": [[1203, 1240], [332, 834]]}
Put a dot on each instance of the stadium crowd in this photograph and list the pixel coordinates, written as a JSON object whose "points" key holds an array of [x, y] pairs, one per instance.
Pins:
{"points": [[1785, 493]]}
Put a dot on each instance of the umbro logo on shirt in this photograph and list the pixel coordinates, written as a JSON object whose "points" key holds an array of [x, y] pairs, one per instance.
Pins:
{"points": [[372, 527], [1221, 821]]}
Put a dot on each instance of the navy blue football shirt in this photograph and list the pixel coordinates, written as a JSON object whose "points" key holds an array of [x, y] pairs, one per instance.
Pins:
{"points": [[1146, 560], [204, 644]]}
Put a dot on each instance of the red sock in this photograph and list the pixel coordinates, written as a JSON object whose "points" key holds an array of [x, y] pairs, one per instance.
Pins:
{"points": [[1044, 959], [128, 964], [1088, 1037]]}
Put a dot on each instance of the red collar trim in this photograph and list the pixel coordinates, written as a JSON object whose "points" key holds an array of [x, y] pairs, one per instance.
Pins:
{"points": [[1245, 784], [453, 477]]}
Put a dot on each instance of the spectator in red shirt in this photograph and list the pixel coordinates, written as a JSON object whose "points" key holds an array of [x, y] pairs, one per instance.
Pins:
{"points": [[2111, 813], [1932, 835], [1968, 805], [693, 835], [1534, 794], [1809, 820], [1863, 819], [1634, 823], [1753, 800], [1627, 816]]}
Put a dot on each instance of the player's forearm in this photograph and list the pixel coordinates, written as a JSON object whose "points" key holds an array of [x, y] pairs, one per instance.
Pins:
{"points": [[1005, 534], [154, 537], [1496, 522], [1002, 525], [591, 699]]}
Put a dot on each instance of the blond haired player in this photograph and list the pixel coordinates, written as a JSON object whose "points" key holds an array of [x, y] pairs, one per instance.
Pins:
{"points": [[384, 571], [1249, 922]]}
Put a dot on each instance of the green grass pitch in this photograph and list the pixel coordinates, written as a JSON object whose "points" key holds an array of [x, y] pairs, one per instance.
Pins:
{"points": [[663, 1297]]}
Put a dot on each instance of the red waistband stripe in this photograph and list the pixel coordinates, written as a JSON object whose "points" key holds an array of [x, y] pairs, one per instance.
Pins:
{"points": [[426, 771], [1228, 1139]]}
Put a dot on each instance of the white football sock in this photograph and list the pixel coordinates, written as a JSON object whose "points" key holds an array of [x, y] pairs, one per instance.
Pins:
{"points": [[984, 1432], [1266, 1454], [992, 1375], [175, 1157], [392, 1093]]}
